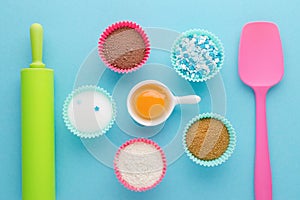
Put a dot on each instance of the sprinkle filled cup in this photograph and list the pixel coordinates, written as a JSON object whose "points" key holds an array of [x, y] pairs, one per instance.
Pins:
{"points": [[197, 55]]}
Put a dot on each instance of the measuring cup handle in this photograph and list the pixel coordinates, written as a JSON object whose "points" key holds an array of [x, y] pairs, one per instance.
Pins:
{"points": [[190, 99]]}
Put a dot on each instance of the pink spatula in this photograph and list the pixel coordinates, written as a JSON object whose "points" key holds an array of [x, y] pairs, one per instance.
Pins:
{"points": [[261, 67]]}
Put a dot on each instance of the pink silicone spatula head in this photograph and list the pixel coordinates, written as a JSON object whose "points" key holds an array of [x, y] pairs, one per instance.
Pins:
{"points": [[260, 55], [261, 67]]}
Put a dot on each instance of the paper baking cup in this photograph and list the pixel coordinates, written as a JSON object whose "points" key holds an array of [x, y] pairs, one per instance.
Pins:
{"points": [[73, 127], [226, 154], [111, 29], [142, 173], [198, 32]]}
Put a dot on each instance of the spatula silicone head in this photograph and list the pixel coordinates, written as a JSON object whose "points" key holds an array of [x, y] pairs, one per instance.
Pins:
{"points": [[260, 55], [261, 67]]}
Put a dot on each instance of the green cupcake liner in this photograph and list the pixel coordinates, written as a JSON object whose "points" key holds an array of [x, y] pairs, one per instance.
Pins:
{"points": [[66, 118], [199, 32], [226, 154]]}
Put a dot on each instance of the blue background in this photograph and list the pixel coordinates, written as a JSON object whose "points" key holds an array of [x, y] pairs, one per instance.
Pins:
{"points": [[71, 30]]}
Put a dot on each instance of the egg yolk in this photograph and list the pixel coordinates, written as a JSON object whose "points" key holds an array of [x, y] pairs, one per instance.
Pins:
{"points": [[150, 104]]}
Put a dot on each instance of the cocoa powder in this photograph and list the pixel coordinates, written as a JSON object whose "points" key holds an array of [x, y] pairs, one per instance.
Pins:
{"points": [[124, 48]]}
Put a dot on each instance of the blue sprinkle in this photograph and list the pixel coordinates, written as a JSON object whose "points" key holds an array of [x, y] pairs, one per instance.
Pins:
{"points": [[96, 108]]}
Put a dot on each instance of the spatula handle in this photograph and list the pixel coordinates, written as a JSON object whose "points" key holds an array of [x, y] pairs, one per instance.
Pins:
{"points": [[262, 177]]}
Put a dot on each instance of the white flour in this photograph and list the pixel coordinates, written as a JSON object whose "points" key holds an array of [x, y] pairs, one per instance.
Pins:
{"points": [[140, 164]]}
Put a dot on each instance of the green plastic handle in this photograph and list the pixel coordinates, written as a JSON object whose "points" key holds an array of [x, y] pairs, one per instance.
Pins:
{"points": [[36, 37], [38, 158]]}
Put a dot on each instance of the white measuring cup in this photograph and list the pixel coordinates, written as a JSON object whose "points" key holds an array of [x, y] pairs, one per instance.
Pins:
{"points": [[174, 100]]}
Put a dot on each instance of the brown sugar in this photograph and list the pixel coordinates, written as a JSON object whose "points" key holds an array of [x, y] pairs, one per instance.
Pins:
{"points": [[124, 48], [207, 139]]}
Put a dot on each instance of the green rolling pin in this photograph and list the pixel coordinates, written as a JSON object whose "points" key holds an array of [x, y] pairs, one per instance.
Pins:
{"points": [[37, 94]]}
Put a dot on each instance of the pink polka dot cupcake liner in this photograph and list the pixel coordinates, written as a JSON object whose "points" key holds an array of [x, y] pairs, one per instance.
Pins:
{"points": [[109, 31], [140, 164]]}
